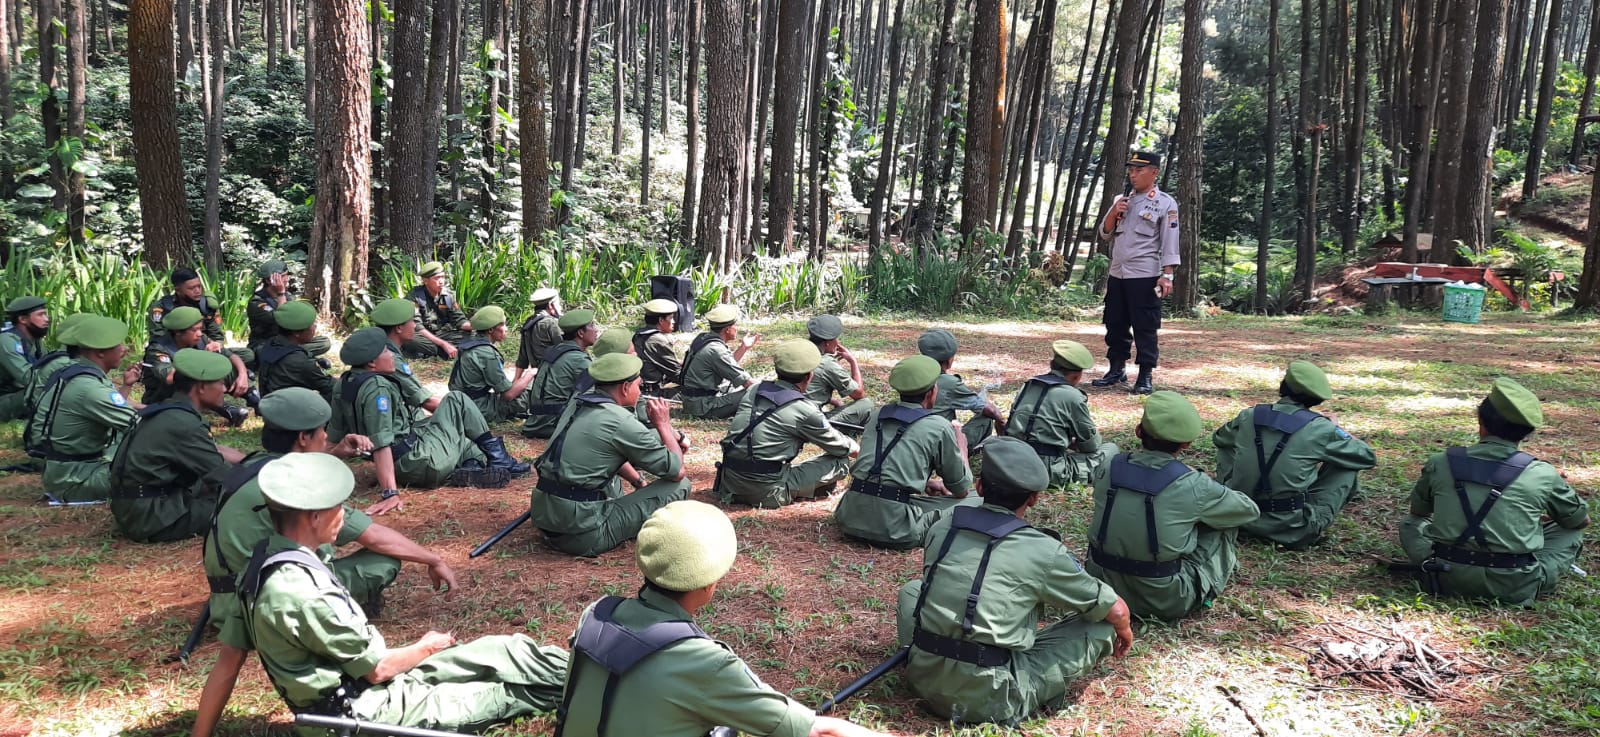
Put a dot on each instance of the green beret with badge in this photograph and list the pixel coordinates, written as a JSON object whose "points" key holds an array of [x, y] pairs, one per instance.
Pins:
{"points": [[574, 319], [722, 316], [612, 341], [181, 318], [392, 312], [65, 333], [198, 365], [1516, 404], [1307, 380], [660, 308], [295, 316], [914, 375], [825, 327], [615, 368], [364, 346], [938, 344], [294, 408], [432, 268], [98, 333], [1070, 355], [543, 296], [487, 317], [686, 545], [1011, 466], [275, 266], [24, 305], [308, 482], [796, 357], [1170, 417]]}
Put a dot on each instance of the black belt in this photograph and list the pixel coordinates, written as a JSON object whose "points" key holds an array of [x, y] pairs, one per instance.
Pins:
{"points": [[1047, 450], [966, 651], [222, 584], [1131, 567], [1286, 504], [335, 703], [697, 393], [478, 392], [750, 465], [547, 409], [1483, 558], [48, 454], [401, 448], [570, 493], [891, 493], [143, 492]]}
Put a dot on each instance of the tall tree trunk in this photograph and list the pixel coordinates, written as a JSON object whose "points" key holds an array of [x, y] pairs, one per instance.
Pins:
{"points": [[581, 80], [533, 48], [619, 33], [310, 57], [1424, 102], [788, 89], [50, 107], [760, 100], [6, 106], [1305, 249], [1476, 209], [1544, 16], [1119, 130], [986, 119], [1088, 127], [1591, 70], [648, 79], [337, 253], [380, 203], [269, 33], [1269, 171], [489, 121], [1460, 32], [414, 109], [886, 153], [691, 125], [926, 217], [216, 42], [1040, 39], [153, 112], [717, 231], [821, 112], [77, 82], [1516, 36], [1541, 119], [1356, 132], [1588, 297], [1191, 152], [185, 22]]}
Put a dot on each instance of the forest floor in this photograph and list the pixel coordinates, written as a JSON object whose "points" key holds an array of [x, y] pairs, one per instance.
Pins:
{"points": [[88, 621]]}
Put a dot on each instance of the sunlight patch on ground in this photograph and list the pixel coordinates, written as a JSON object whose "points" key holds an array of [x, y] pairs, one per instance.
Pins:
{"points": [[1250, 375], [1431, 404]]}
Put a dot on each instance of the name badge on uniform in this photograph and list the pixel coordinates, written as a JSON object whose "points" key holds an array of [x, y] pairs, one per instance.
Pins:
{"points": [[383, 404]]}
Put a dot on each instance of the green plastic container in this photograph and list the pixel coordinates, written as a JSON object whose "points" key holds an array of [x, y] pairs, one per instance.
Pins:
{"points": [[1463, 304]]}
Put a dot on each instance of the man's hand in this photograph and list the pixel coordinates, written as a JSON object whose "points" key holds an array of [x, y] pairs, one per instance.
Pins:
{"points": [[466, 326], [936, 487], [1163, 286], [1119, 208], [241, 385], [436, 641], [132, 375], [448, 348], [351, 446], [749, 340], [443, 578], [658, 411], [386, 506], [1122, 621], [214, 347], [831, 727], [278, 284], [844, 354]]}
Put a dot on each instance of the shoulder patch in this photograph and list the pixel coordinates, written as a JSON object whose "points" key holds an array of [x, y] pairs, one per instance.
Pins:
{"points": [[266, 306], [405, 368], [156, 315], [383, 403], [117, 398], [20, 349], [164, 358], [1341, 432]]}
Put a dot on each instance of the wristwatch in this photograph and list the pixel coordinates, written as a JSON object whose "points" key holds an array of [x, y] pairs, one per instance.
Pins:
{"points": [[389, 494]]}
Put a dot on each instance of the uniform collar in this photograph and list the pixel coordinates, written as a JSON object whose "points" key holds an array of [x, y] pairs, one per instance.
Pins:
{"points": [[785, 385], [1287, 402], [660, 602], [1498, 442], [1151, 455]]}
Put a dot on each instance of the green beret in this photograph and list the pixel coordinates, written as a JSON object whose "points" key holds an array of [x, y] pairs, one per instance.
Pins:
{"points": [[269, 268], [294, 408], [795, 357], [914, 375], [937, 344], [363, 347], [658, 307], [307, 481], [201, 365], [1515, 403], [65, 335], [99, 333], [392, 312], [825, 327], [487, 317], [430, 269], [1307, 380], [574, 319], [24, 305], [612, 341], [1010, 465], [543, 296], [181, 318], [295, 315], [615, 368], [1170, 417], [722, 316], [686, 545], [1071, 355]]}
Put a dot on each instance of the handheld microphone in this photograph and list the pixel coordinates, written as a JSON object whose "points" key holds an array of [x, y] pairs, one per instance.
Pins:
{"points": [[1127, 189]]}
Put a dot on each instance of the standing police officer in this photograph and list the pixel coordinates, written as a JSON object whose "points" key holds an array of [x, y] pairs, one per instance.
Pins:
{"points": [[1143, 230]]}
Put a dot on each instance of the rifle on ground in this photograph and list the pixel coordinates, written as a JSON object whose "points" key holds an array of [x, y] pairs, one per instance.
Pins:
{"points": [[347, 727], [847, 426], [893, 662], [195, 633], [498, 536]]}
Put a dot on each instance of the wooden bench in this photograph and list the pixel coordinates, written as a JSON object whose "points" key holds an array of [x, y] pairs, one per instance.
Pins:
{"points": [[1380, 290]]}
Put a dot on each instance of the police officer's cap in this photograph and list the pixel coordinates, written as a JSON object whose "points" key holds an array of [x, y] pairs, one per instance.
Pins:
{"points": [[295, 408], [1306, 379], [543, 296], [1010, 465], [660, 307], [392, 312], [487, 317], [306, 481], [825, 327], [937, 344], [66, 328], [686, 545], [99, 333], [1144, 158], [432, 268], [182, 318], [295, 316], [574, 319], [275, 266], [200, 365], [615, 368], [914, 375], [1071, 355], [722, 316], [24, 305], [612, 341], [795, 357], [1170, 417], [1516, 404], [363, 347]]}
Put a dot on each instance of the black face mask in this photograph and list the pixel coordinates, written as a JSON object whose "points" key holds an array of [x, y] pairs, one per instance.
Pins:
{"points": [[36, 333]]}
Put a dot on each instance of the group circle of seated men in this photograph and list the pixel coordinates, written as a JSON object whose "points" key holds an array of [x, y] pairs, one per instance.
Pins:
{"points": [[1487, 521]]}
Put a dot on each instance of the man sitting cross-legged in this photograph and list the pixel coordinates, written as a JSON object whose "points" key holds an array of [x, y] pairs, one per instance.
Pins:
{"points": [[1051, 415], [557, 381], [480, 370]]}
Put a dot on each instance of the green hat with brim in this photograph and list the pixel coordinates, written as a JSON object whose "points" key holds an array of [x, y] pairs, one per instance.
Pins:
{"points": [[1170, 417], [275, 266], [686, 545], [432, 268], [543, 296], [65, 328], [574, 319], [487, 317], [181, 318], [660, 307], [825, 327], [795, 357], [612, 341], [722, 316], [1010, 465], [1516, 404], [295, 316], [306, 481], [294, 408], [938, 344], [363, 347], [1307, 380], [914, 375], [1071, 355], [200, 365], [99, 333], [615, 368], [392, 312], [24, 305]]}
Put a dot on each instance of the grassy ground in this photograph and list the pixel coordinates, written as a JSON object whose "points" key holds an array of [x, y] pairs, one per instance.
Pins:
{"points": [[87, 621]]}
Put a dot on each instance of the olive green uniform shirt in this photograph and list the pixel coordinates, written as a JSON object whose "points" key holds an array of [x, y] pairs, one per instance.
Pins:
{"points": [[550, 390], [173, 451], [925, 447], [480, 373], [17, 356], [660, 357], [158, 357], [209, 316], [539, 333], [411, 389], [713, 369], [439, 315], [296, 368], [86, 417], [38, 374], [780, 437], [427, 450], [1058, 426]]}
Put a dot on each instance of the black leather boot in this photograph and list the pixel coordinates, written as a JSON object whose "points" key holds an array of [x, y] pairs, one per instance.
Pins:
{"points": [[1114, 376], [236, 415], [495, 450], [1146, 381]]}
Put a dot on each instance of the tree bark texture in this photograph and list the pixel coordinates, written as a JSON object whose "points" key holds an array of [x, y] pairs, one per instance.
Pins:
{"points": [[717, 232], [887, 154], [986, 118], [1461, 24], [1591, 70], [1475, 208], [216, 38], [1541, 118], [925, 220], [1356, 131], [337, 253], [533, 49], [1119, 129], [1191, 153], [691, 123], [153, 112], [419, 65], [788, 90], [77, 84]]}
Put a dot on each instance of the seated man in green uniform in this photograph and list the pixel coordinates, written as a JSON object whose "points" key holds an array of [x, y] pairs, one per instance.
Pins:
{"points": [[48, 364], [598, 444], [323, 656], [441, 324], [831, 378], [1051, 414], [1300, 467], [397, 318], [480, 370], [972, 621], [21, 346], [714, 382], [286, 359], [954, 394], [540, 331], [451, 447], [1168, 546], [165, 474], [892, 501], [80, 414], [273, 294], [774, 422], [185, 330], [295, 421], [642, 668], [653, 344], [557, 381], [187, 291], [1503, 526]]}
